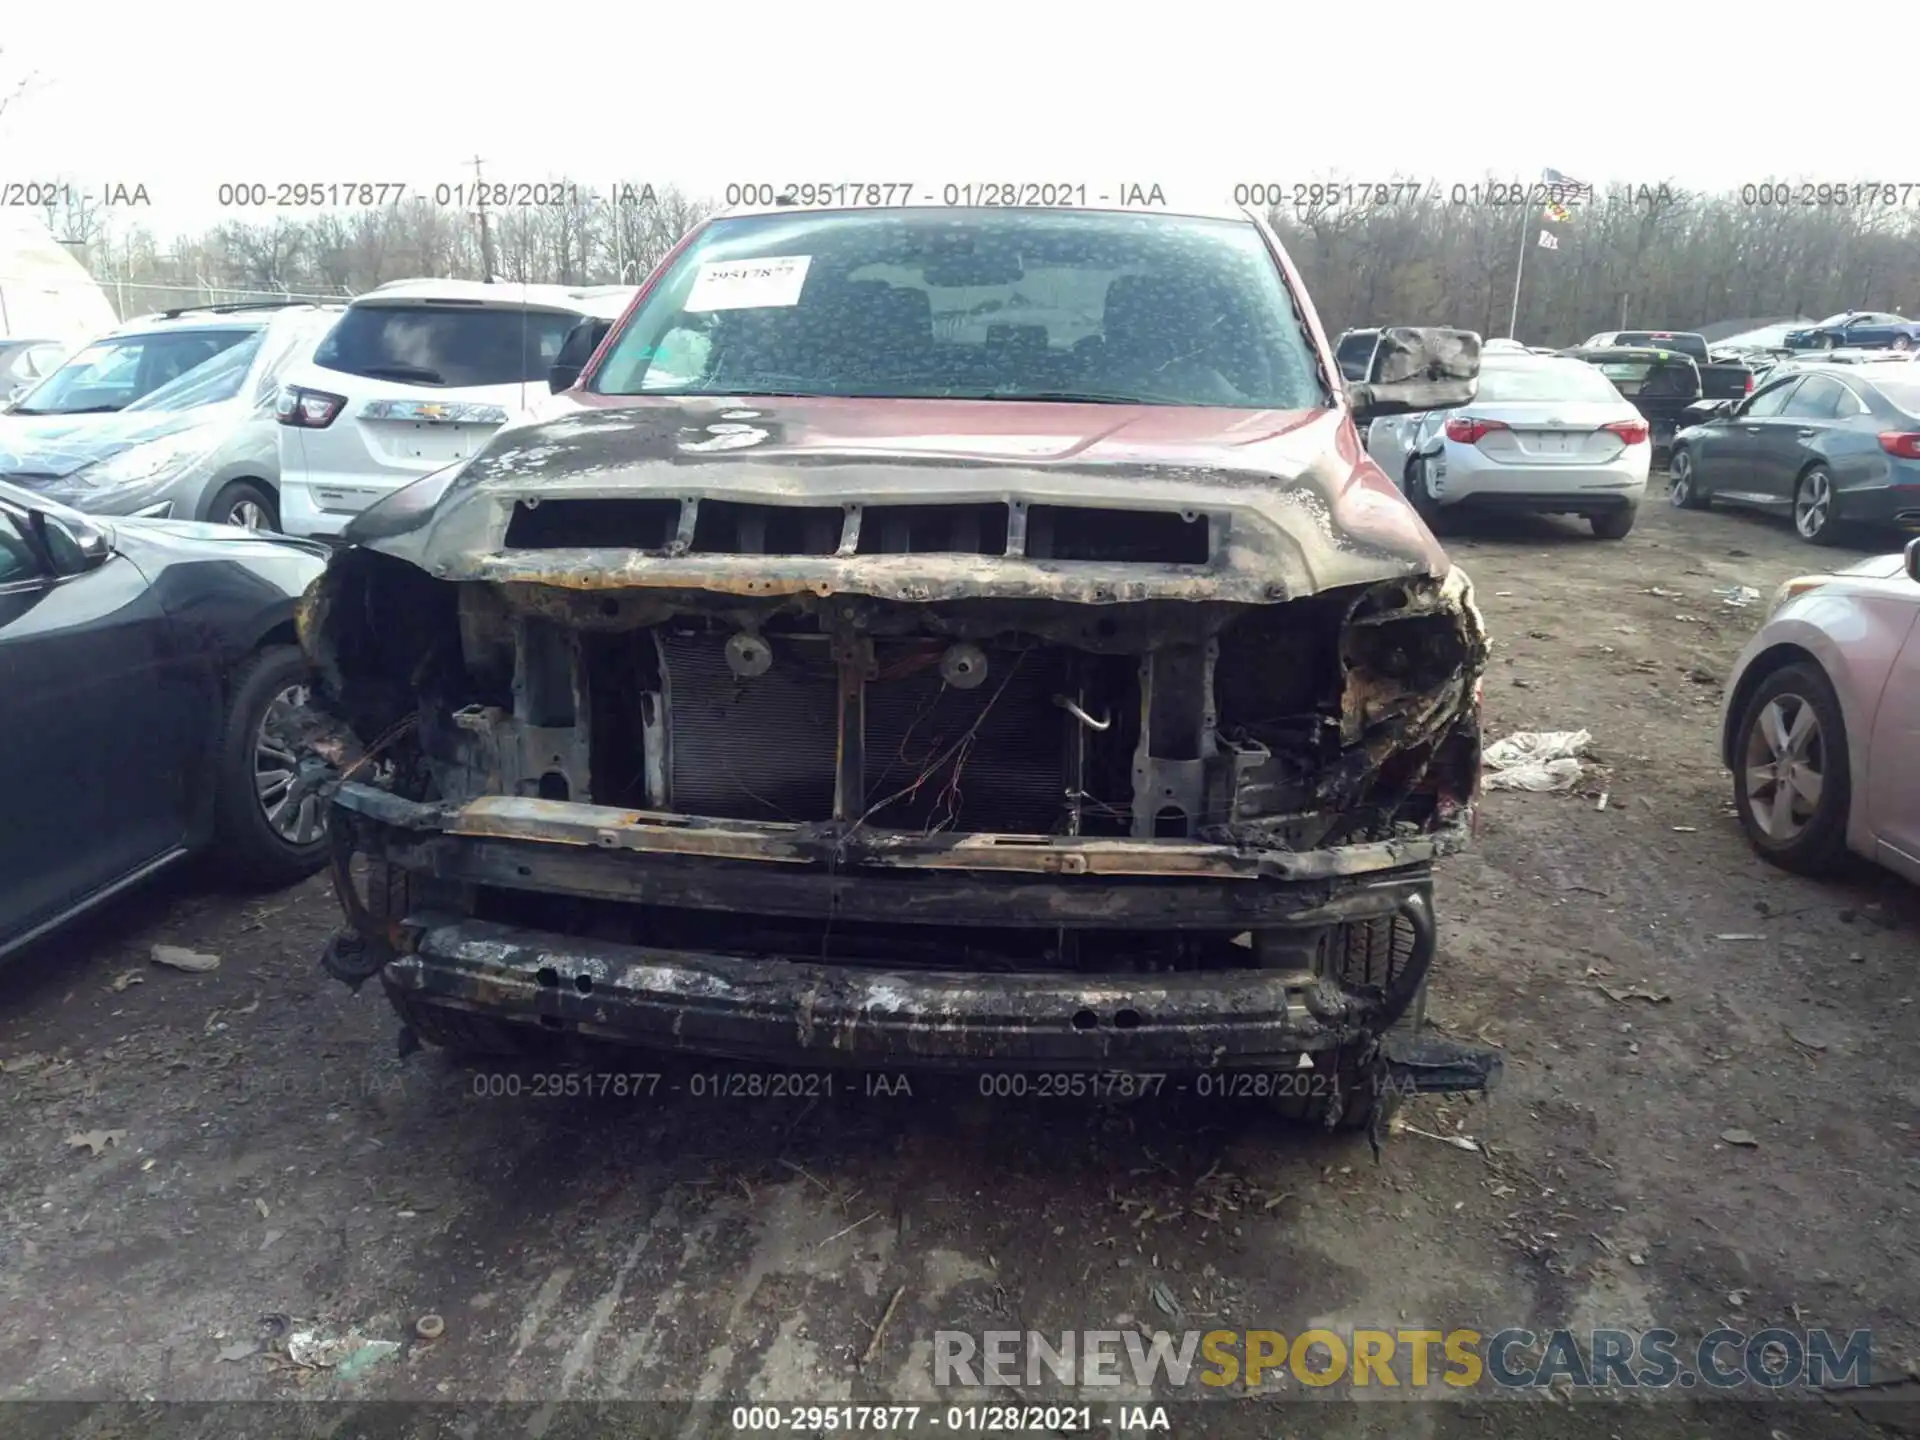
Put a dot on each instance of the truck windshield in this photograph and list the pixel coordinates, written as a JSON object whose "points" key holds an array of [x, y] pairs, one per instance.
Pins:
{"points": [[973, 304]]}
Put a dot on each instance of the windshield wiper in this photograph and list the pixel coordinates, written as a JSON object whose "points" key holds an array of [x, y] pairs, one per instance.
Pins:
{"points": [[1068, 397], [404, 372], [83, 410]]}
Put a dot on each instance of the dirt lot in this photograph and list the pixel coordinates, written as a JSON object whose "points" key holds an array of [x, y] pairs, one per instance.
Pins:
{"points": [[276, 1169]]}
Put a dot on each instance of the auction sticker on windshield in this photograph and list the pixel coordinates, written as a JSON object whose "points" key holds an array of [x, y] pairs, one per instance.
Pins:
{"points": [[749, 284]]}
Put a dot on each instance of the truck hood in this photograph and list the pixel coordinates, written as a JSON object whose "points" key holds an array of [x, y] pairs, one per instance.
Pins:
{"points": [[1292, 504]]}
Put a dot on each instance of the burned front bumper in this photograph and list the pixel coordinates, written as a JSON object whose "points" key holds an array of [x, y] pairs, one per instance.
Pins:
{"points": [[1284, 1001]]}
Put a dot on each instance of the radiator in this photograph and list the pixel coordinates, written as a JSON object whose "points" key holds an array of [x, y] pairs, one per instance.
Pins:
{"points": [[765, 748]]}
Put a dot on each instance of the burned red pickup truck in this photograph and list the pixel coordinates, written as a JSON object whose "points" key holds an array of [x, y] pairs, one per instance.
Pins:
{"points": [[949, 638]]}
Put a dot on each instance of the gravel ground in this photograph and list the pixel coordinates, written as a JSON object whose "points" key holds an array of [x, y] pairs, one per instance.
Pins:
{"points": [[262, 1165]]}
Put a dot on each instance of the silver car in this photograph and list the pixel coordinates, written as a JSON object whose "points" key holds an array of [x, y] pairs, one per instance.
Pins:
{"points": [[1821, 722], [168, 417], [1543, 435]]}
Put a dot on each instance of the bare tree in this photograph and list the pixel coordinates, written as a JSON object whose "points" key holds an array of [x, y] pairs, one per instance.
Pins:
{"points": [[1659, 256]]}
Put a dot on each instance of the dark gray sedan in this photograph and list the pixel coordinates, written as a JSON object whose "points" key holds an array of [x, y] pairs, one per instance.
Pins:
{"points": [[148, 670], [1832, 446]]}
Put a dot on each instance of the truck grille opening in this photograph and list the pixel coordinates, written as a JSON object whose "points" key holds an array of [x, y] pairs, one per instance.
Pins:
{"points": [[581, 524], [725, 527], [991, 757], [1061, 532], [933, 530]]}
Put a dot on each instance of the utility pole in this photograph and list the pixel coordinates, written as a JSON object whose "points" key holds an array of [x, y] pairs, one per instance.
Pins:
{"points": [[486, 234], [1519, 269]]}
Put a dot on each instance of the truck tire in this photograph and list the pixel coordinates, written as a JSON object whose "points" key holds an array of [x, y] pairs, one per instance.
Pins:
{"points": [[1374, 955], [1362, 1106]]}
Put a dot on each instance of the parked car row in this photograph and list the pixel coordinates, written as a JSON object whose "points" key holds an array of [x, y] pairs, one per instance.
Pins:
{"points": [[287, 416], [1830, 439]]}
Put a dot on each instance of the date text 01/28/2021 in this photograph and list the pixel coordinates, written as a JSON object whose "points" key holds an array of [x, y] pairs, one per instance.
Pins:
{"points": [[653, 1085]]}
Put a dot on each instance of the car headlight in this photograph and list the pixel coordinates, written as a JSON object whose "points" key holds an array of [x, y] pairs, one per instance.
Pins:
{"points": [[1793, 588], [405, 509], [132, 474]]}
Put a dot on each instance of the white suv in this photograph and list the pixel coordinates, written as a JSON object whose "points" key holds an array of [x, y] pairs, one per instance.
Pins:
{"points": [[417, 375]]}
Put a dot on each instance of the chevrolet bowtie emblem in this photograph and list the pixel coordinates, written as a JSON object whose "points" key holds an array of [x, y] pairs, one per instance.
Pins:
{"points": [[433, 412]]}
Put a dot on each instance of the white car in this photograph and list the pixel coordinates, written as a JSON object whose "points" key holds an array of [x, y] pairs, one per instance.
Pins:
{"points": [[1543, 434], [418, 375]]}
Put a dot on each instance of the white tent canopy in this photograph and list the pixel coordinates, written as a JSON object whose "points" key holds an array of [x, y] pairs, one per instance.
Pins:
{"points": [[45, 293]]}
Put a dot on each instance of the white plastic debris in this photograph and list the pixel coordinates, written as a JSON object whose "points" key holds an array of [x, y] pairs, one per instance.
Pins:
{"points": [[179, 958], [1536, 760], [1738, 596]]}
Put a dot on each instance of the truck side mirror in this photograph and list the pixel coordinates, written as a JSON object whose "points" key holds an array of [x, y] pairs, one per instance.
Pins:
{"points": [[1418, 367]]}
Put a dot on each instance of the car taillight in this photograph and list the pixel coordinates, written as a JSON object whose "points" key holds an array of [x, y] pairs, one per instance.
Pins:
{"points": [[1903, 443], [1466, 430], [1749, 386], [1631, 432], [306, 409]]}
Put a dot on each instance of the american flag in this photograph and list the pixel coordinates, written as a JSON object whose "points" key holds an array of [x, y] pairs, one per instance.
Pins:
{"points": [[1567, 187]]}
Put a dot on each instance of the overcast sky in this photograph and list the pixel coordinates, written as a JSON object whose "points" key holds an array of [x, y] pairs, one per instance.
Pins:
{"points": [[185, 98]]}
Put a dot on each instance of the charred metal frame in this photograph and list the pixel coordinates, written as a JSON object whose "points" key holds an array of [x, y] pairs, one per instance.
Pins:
{"points": [[1201, 849], [1185, 772]]}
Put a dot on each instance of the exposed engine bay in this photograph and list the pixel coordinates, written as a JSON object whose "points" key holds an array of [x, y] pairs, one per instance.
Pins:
{"points": [[772, 779], [1344, 716]]}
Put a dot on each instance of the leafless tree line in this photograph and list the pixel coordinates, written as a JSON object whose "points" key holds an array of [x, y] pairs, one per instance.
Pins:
{"points": [[584, 241], [1629, 256]]}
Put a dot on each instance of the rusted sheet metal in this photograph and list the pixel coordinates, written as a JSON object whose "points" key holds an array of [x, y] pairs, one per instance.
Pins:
{"points": [[803, 1012], [911, 578], [1150, 858], [606, 827], [1296, 520], [936, 898], [557, 822]]}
